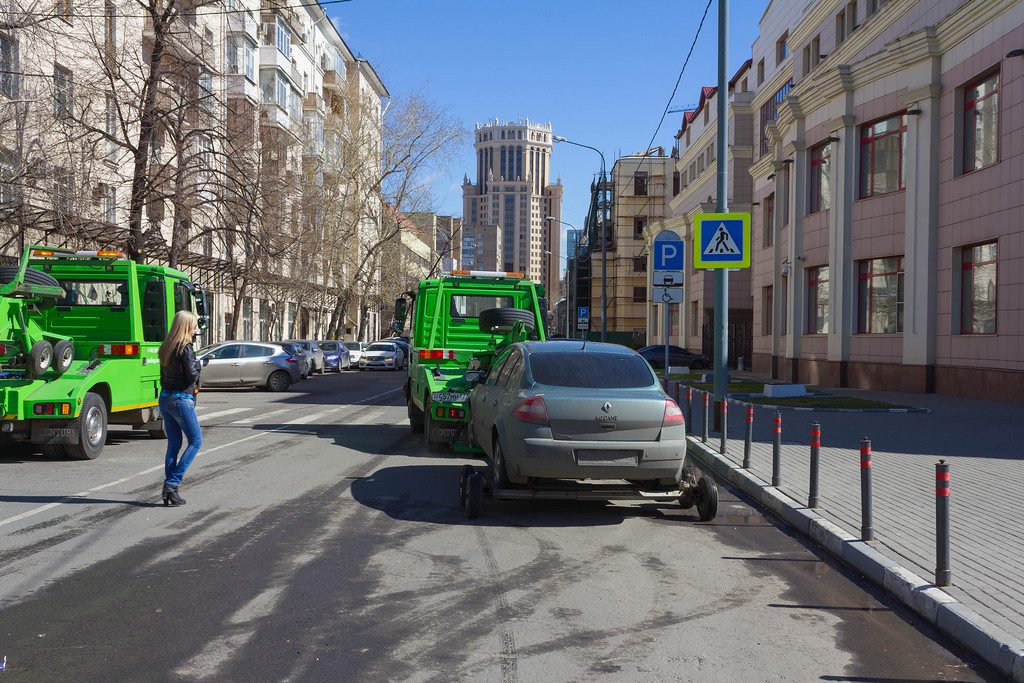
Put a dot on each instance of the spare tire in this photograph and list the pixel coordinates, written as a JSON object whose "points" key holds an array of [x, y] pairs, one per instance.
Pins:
{"points": [[32, 276], [502, 319]]}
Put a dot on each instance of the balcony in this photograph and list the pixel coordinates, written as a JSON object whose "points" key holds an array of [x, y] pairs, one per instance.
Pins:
{"points": [[243, 22], [237, 85], [314, 103], [334, 82]]}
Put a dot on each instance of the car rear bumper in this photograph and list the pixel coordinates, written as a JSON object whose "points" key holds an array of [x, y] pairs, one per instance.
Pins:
{"points": [[638, 460]]}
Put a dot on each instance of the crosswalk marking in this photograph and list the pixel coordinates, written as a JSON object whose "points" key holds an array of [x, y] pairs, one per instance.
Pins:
{"points": [[221, 413], [261, 416]]}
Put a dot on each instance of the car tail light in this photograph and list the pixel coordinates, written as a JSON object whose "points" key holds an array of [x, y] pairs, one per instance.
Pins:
{"points": [[673, 415], [450, 413], [8, 349], [292, 359], [437, 354], [532, 410]]}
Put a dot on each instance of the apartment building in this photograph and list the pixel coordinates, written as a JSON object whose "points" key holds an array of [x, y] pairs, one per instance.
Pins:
{"points": [[513, 190], [445, 236], [240, 148], [482, 247]]}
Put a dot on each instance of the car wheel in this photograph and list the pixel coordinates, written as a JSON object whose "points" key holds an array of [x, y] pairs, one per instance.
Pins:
{"points": [[415, 416], [278, 381], [474, 495], [158, 432], [707, 499], [697, 365], [501, 480], [92, 432]]}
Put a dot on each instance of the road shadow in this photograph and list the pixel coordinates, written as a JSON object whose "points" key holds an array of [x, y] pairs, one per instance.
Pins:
{"points": [[430, 493], [76, 500]]}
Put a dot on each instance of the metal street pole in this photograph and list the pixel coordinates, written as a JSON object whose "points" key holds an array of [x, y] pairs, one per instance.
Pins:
{"points": [[722, 274], [570, 333], [604, 241]]}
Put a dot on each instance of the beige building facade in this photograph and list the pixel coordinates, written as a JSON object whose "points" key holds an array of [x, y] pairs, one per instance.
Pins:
{"points": [[513, 191]]}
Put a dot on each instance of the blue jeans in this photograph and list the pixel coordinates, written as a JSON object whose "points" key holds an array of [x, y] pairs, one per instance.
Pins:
{"points": [[179, 417]]}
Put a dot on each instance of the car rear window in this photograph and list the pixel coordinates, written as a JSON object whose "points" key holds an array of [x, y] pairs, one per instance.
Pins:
{"points": [[590, 370]]}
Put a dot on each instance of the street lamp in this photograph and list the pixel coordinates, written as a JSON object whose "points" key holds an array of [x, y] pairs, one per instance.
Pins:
{"points": [[604, 240], [575, 274]]}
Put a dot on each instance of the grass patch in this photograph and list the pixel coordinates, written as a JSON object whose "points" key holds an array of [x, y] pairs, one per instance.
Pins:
{"points": [[733, 388], [834, 402]]}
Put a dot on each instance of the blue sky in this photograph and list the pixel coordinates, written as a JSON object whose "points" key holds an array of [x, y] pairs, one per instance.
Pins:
{"points": [[600, 72]]}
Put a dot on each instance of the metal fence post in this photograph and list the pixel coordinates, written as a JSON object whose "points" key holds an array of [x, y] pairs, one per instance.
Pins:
{"points": [[721, 446], [777, 449], [812, 499], [943, 574], [704, 429], [867, 528], [749, 436]]}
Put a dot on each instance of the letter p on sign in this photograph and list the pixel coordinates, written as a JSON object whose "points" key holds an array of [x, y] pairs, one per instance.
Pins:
{"points": [[669, 255]]}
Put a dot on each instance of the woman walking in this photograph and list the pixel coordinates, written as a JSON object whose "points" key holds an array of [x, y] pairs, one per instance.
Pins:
{"points": [[179, 375]]}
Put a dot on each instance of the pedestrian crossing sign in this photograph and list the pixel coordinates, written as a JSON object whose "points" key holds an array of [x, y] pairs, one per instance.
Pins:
{"points": [[722, 240]]}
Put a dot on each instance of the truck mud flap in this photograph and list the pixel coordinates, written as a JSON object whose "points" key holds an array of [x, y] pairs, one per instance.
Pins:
{"points": [[55, 431]]}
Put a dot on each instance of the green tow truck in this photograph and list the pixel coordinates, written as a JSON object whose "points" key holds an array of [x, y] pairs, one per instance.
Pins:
{"points": [[80, 333], [458, 324]]}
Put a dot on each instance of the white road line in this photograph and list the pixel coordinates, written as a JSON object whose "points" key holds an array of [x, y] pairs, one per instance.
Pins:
{"points": [[261, 416], [221, 413], [305, 419]]}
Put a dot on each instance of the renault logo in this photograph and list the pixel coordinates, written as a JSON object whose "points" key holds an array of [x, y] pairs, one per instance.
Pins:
{"points": [[606, 407]]}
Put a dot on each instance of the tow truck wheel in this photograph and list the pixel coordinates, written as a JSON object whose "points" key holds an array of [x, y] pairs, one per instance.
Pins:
{"points": [[474, 495], [33, 276], [63, 356], [707, 499], [415, 416], [40, 357], [92, 432]]}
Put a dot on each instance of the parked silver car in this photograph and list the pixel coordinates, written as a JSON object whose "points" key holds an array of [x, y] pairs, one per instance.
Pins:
{"points": [[318, 364], [557, 410], [384, 355], [248, 364]]}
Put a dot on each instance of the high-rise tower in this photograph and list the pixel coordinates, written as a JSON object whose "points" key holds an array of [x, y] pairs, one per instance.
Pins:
{"points": [[513, 164]]}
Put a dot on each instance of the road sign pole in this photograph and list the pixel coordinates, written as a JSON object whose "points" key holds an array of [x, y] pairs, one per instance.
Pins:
{"points": [[722, 274], [668, 331]]}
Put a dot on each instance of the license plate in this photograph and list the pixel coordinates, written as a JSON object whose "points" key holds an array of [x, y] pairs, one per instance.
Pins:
{"points": [[591, 457], [449, 397]]}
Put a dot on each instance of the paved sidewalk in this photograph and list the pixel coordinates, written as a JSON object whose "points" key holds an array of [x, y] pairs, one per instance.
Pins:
{"points": [[981, 441]]}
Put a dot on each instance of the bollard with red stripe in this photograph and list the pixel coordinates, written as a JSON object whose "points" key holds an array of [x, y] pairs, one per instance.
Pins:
{"points": [[721, 445], [777, 449], [812, 499], [704, 428], [943, 574], [748, 436], [689, 407], [867, 527]]}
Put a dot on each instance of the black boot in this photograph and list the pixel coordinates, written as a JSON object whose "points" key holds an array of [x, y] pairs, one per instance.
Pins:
{"points": [[171, 496]]}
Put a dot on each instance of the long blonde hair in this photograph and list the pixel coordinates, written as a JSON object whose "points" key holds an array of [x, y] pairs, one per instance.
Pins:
{"points": [[181, 333]]}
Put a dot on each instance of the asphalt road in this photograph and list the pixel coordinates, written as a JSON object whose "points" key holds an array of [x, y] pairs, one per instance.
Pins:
{"points": [[321, 541]]}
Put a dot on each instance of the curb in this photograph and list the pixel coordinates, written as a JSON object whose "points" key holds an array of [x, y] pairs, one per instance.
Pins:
{"points": [[997, 647]]}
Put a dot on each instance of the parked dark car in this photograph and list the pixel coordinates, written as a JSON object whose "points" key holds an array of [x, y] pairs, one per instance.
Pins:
{"points": [[678, 356]]}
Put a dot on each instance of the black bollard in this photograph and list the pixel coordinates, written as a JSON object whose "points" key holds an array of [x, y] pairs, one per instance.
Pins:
{"points": [[777, 449], [943, 574], [725, 422], [748, 437], [867, 527], [812, 499]]}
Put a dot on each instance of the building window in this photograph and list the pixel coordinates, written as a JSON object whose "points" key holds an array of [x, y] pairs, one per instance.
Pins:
{"points": [[675, 182], [6, 178], [817, 300], [767, 304], [110, 125], [880, 296], [8, 66], [639, 295], [781, 48], [640, 264], [978, 289], [760, 72], [981, 123], [821, 177], [63, 94], [768, 220], [882, 146], [639, 224], [250, 61], [206, 90], [233, 51], [840, 27], [640, 184], [770, 111], [109, 203], [63, 185], [62, 8], [110, 33]]}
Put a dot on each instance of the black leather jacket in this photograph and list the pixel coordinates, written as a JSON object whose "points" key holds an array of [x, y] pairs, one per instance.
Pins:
{"points": [[182, 374]]}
